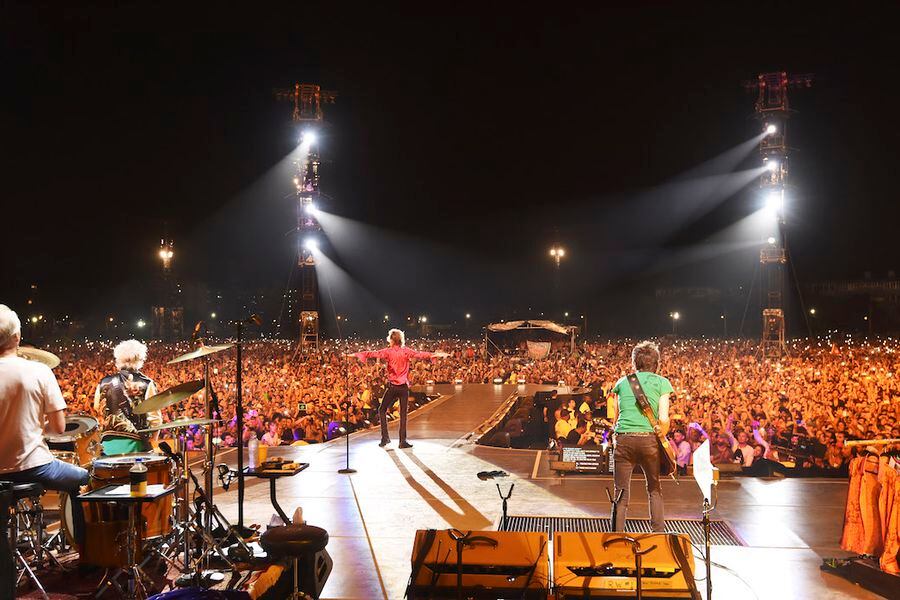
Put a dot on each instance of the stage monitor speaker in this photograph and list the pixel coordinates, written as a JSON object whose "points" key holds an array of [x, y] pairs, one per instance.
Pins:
{"points": [[495, 564], [603, 565]]}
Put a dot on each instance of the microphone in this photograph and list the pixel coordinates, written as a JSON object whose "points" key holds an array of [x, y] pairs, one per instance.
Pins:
{"points": [[196, 334], [226, 475], [166, 449]]}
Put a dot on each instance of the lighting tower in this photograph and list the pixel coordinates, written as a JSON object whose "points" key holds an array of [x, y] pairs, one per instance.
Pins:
{"points": [[303, 304], [773, 111], [168, 314]]}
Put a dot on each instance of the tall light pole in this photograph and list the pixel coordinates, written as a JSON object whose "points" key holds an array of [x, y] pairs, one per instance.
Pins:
{"points": [[724, 318], [675, 316], [557, 252]]}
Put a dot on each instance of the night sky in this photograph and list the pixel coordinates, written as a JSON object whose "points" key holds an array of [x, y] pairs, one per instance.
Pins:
{"points": [[461, 146]]}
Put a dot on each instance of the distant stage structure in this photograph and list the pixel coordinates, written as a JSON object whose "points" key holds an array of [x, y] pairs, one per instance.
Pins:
{"points": [[300, 313], [772, 112], [167, 323]]}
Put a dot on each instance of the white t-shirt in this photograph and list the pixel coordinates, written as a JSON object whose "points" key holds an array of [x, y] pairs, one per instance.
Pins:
{"points": [[28, 392]]}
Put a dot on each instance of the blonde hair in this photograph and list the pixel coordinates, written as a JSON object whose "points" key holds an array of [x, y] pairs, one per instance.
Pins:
{"points": [[130, 354], [9, 326], [399, 334]]}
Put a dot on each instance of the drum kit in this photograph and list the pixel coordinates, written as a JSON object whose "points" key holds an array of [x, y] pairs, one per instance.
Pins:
{"points": [[181, 525]]}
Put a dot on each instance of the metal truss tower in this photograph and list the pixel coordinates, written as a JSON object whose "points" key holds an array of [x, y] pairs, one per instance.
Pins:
{"points": [[303, 297], [168, 313], [773, 111]]}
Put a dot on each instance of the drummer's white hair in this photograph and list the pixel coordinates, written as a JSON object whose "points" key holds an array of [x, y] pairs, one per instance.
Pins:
{"points": [[130, 354], [9, 326], [399, 333]]}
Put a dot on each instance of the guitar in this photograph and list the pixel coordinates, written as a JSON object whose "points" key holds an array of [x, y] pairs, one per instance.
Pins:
{"points": [[667, 464]]}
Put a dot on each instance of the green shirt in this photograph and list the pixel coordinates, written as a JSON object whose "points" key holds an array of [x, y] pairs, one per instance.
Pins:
{"points": [[630, 417]]}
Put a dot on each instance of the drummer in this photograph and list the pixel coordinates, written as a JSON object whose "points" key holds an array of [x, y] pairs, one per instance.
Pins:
{"points": [[30, 405], [118, 394]]}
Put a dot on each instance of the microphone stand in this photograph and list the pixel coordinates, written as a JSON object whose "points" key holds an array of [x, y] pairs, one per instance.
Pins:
{"points": [[347, 470], [242, 531]]}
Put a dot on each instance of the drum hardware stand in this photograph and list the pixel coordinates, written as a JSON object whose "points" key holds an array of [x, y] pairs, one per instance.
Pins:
{"points": [[505, 499], [198, 522]]}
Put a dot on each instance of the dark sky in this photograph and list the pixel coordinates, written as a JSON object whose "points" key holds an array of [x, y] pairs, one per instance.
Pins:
{"points": [[467, 140]]}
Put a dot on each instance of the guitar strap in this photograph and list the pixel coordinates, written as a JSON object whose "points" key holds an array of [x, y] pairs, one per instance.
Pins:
{"points": [[642, 402]]}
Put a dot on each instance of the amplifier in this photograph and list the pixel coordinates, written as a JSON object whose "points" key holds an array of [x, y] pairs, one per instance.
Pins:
{"points": [[494, 564], [603, 565]]}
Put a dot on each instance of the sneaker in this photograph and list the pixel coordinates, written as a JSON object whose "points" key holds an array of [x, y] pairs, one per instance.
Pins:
{"points": [[405, 445], [384, 443]]}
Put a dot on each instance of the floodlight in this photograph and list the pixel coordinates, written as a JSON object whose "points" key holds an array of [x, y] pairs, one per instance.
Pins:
{"points": [[771, 165], [771, 241], [311, 244], [141, 324], [774, 202], [312, 209], [309, 137], [771, 129], [676, 315]]}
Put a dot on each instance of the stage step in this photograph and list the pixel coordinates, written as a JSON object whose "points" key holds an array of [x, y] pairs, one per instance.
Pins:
{"points": [[721, 533]]}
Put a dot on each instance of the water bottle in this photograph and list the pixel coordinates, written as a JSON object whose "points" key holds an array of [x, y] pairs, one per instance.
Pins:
{"points": [[253, 450], [138, 476]]}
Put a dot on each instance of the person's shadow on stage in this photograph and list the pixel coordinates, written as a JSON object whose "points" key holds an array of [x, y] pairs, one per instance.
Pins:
{"points": [[468, 519]]}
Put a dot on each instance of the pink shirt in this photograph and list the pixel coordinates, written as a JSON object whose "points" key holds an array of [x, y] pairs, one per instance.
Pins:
{"points": [[397, 358]]}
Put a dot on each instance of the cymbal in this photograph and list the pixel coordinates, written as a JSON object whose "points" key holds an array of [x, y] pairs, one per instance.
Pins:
{"points": [[41, 356], [178, 423], [199, 352], [169, 397]]}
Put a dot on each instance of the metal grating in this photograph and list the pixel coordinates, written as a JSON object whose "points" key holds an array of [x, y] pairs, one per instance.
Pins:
{"points": [[721, 533]]}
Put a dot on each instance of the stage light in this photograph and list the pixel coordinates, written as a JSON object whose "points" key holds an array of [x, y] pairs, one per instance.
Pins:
{"points": [[812, 311], [34, 319], [468, 316], [771, 129], [423, 319], [771, 241], [771, 165], [386, 317], [309, 137], [212, 315], [312, 209], [141, 324], [311, 244], [774, 203], [676, 315]]}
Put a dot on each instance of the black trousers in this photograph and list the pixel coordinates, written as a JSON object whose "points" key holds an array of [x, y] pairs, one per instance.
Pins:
{"points": [[391, 394]]}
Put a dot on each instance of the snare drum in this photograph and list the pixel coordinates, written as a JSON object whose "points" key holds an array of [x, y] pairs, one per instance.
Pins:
{"points": [[82, 437], [105, 522]]}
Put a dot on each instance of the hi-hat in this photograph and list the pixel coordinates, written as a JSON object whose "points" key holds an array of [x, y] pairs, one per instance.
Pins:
{"points": [[169, 397], [41, 356], [200, 352], [178, 423]]}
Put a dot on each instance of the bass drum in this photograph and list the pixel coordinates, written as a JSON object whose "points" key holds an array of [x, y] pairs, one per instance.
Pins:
{"points": [[52, 497], [106, 523]]}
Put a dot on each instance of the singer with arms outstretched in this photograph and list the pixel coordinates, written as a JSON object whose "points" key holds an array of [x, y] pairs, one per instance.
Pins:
{"points": [[397, 357]]}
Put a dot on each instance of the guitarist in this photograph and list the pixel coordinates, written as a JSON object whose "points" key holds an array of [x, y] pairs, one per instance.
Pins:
{"points": [[635, 442]]}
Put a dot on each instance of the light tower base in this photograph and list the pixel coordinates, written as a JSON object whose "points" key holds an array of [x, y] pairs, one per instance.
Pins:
{"points": [[772, 344]]}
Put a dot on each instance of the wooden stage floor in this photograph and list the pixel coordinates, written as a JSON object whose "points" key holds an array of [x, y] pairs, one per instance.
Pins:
{"points": [[789, 525]]}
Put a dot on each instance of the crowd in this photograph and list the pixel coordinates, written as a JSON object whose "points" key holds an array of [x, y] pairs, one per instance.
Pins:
{"points": [[798, 410]]}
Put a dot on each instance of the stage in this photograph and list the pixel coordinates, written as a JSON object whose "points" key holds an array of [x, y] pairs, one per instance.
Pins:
{"points": [[788, 525]]}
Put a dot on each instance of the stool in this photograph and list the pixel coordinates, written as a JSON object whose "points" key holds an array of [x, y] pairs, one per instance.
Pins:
{"points": [[28, 530], [296, 542]]}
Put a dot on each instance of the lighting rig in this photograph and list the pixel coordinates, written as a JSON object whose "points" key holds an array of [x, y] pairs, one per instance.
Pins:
{"points": [[772, 112], [303, 302]]}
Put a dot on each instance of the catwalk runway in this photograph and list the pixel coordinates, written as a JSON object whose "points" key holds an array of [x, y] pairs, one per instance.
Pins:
{"points": [[788, 525]]}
